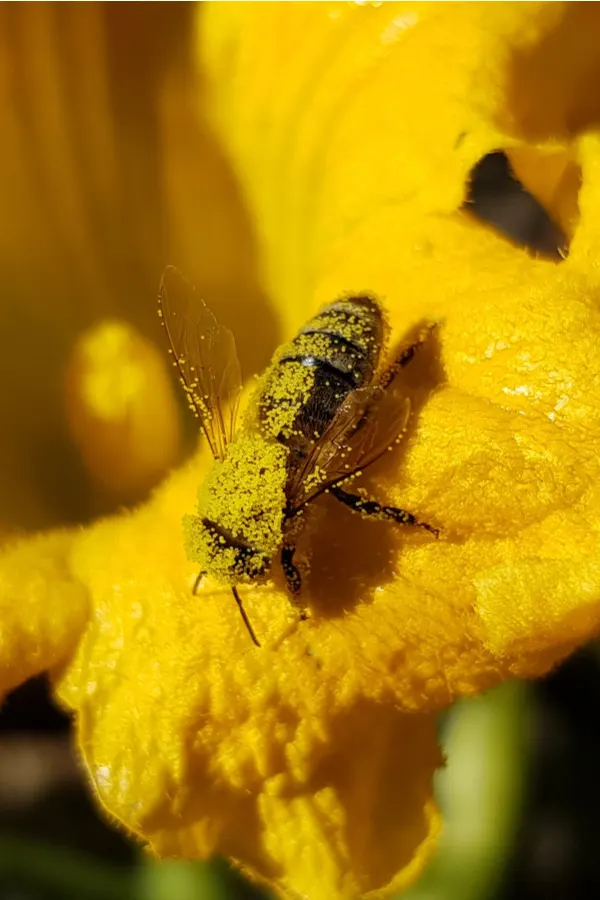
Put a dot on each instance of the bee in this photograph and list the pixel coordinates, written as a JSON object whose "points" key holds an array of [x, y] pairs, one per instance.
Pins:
{"points": [[323, 411]]}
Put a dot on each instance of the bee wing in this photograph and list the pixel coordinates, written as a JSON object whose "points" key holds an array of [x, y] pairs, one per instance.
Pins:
{"points": [[205, 355], [369, 422]]}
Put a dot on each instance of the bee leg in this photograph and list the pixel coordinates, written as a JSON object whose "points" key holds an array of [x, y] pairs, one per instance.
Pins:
{"points": [[292, 575], [199, 578], [291, 572], [378, 510], [238, 600], [407, 356]]}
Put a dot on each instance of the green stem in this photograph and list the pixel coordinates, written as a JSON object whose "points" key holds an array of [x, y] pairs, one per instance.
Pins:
{"points": [[481, 793], [69, 873], [66, 872], [180, 880]]}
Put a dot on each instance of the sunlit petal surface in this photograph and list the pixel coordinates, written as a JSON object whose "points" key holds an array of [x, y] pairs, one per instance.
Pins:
{"points": [[352, 130]]}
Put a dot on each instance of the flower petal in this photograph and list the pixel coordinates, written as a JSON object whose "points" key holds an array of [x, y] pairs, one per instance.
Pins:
{"points": [[351, 127], [203, 743], [122, 410], [70, 247], [366, 820], [42, 610], [356, 171], [358, 186]]}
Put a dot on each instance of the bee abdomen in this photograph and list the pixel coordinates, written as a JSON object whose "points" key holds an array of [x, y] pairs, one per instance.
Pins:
{"points": [[344, 338], [345, 344], [335, 353], [333, 369], [357, 320]]}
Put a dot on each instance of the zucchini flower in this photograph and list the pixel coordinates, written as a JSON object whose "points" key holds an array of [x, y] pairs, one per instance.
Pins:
{"points": [[352, 130]]}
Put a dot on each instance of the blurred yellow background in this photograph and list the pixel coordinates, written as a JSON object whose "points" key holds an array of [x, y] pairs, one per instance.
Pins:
{"points": [[107, 174]]}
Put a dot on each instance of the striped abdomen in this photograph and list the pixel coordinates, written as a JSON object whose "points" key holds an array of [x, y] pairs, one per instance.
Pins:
{"points": [[335, 353]]}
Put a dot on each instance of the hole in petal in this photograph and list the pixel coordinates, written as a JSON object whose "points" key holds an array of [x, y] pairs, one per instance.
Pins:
{"points": [[497, 197], [554, 179], [550, 98]]}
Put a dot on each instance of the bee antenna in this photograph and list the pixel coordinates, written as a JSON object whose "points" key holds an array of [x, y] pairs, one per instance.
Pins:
{"points": [[238, 600]]}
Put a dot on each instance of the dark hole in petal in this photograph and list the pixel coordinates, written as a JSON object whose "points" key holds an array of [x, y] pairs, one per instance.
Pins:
{"points": [[497, 197]]}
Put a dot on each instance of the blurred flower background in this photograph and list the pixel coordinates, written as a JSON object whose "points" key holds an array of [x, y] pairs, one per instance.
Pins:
{"points": [[108, 173]]}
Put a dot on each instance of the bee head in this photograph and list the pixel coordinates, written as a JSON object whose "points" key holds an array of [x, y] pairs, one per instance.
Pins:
{"points": [[229, 557], [241, 503]]}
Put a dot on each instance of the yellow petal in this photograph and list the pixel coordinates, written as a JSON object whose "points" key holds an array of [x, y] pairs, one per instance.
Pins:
{"points": [[357, 187], [203, 743], [100, 172], [353, 125], [355, 169], [42, 611], [366, 819], [122, 410], [73, 244]]}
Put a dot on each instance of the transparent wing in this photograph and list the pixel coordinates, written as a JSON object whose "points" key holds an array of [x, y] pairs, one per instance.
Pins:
{"points": [[369, 422], [205, 355]]}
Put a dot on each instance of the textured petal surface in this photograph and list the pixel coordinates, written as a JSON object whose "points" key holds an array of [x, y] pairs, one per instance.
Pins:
{"points": [[353, 125], [503, 454], [43, 611], [353, 129], [202, 743]]}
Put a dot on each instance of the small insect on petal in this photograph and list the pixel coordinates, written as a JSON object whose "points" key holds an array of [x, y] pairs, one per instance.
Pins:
{"points": [[313, 423]]}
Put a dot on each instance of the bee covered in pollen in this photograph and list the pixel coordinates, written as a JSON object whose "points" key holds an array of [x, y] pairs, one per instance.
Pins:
{"points": [[323, 411]]}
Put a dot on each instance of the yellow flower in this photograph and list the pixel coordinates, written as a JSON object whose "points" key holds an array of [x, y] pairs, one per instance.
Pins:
{"points": [[104, 177], [353, 129]]}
